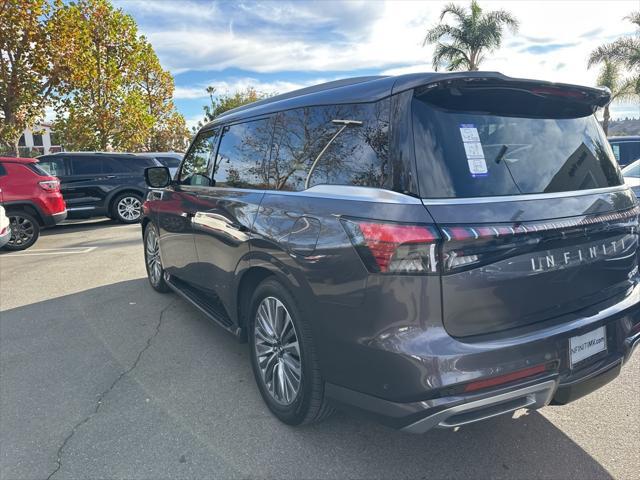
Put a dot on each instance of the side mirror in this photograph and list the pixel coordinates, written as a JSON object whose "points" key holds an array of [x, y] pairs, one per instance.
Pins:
{"points": [[157, 177]]}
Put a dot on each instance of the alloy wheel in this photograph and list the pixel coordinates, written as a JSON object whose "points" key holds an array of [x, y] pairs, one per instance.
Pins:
{"points": [[22, 231], [152, 248], [277, 351], [129, 208]]}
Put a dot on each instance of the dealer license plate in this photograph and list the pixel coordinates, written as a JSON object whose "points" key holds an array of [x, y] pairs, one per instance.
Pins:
{"points": [[587, 345]]}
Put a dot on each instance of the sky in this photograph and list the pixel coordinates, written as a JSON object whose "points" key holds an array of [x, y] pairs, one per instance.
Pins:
{"points": [[278, 46]]}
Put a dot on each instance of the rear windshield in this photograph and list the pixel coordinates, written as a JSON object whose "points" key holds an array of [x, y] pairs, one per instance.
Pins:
{"points": [[511, 144]]}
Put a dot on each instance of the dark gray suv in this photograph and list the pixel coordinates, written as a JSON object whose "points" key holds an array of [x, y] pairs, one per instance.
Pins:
{"points": [[431, 249]]}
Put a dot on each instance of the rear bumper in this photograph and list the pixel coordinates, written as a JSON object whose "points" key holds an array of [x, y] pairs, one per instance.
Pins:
{"points": [[54, 219], [457, 411], [447, 405]]}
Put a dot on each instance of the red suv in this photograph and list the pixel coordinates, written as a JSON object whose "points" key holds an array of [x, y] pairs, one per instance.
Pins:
{"points": [[31, 198]]}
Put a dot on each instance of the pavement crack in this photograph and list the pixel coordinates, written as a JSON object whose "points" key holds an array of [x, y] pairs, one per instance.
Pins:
{"points": [[106, 392]]}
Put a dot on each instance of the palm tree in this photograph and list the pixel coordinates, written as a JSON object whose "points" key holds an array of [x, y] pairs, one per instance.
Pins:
{"points": [[621, 88], [624, 51], [464, 45]]}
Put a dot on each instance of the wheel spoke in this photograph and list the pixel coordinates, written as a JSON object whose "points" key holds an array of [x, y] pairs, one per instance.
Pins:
{"points": [[277, 350]]}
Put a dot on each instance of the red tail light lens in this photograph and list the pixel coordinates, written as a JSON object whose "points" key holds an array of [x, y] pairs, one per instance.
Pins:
{"points": [[50, 185], [508, 378], [394, 247]]}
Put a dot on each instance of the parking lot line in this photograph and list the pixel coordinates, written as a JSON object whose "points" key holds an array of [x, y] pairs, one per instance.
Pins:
{"points": [[51, 251]]}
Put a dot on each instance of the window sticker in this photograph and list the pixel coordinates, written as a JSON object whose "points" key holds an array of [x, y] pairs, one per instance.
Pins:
{"points": [[473, 149]]}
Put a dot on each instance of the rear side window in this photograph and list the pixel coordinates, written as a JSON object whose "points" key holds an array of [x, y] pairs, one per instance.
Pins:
{"points": [[170, 162], [86, 165], [2, 170], [243, 155], [126, 164], [52, 165], [358, 155], [520, 147], [34, 167]]}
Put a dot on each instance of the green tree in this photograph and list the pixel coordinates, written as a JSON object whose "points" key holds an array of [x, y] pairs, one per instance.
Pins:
{"points": [[32, 62], [463, 46], [621, 88], [169, 130], [220, 103], [101, 109], [623, 51], [117, 95]]}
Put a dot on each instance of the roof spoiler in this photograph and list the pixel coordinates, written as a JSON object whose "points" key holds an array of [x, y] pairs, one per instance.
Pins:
{"points": [[594, 97]]}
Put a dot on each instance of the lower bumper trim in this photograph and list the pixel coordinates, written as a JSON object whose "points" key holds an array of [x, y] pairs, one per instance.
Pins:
{"points": [[568, 392], [534, 396]]}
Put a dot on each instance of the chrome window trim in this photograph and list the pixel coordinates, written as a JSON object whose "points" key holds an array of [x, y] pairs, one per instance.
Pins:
{"points": [[350, 192], [517, 198]]}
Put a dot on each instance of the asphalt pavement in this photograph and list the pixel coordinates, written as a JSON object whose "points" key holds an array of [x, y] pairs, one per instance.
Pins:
{"points": [[103, 378]]}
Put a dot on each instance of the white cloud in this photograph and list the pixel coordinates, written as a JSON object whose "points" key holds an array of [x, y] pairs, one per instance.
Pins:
{"points": [[553, 43], [233, 85], [390, 41]]}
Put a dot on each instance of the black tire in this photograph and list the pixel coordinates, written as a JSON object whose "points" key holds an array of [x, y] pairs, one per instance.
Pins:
{"points": [[127, 208], [309, 404], [155, 272], [25, 231]]}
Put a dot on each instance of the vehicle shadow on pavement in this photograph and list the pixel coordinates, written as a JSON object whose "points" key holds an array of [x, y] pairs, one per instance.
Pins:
{"points": [[78, 225], [120, 381]]}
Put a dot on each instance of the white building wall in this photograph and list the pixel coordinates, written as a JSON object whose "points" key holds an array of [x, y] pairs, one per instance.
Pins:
{"points": [[47, 147]]}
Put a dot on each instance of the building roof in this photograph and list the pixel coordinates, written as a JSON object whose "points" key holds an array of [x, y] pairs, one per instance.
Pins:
{"points": [[374, 88]]}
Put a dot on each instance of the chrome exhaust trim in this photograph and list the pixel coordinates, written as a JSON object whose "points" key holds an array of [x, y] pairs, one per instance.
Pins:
{"points": [[534, 396]]}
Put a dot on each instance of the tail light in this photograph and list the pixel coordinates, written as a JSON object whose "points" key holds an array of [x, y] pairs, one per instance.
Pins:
{"points": [[50, 185], [394, 247], [397, 248], [468, 246]]}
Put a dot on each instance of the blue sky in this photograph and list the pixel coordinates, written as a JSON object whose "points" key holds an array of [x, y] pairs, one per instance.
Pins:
{"points": [[278, 46]]}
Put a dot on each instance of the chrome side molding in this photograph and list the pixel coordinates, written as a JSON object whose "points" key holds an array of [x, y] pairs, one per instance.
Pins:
{"points": [[518, 198]]}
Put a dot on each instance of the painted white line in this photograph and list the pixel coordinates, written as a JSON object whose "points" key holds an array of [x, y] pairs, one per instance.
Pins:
{"points": [[51, 251]]}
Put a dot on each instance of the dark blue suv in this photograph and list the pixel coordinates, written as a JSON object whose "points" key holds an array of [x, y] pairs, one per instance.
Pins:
{"points": [[432, 249]]}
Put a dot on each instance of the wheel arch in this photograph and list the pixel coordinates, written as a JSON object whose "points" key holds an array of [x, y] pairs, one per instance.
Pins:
{"points": [[27, 207], [253, 271]]}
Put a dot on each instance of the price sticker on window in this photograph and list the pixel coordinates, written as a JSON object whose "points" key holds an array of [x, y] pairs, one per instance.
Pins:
{"points": [[473, 149]]}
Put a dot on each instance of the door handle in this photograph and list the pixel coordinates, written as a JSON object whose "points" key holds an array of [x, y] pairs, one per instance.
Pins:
{"points": [[237, 226]]}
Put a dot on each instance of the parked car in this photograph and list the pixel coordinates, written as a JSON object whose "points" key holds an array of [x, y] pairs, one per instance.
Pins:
{"points": [[31, 198], [5, 229], [631, 175], [626, 149], [432, 249], [100, 184], [168, 159]]}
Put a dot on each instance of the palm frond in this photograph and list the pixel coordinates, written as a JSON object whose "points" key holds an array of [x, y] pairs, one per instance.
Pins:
{"points": [[436, 33], [609, 76], [445, 54], [634, 17], [455, 10], [625, 50]]}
